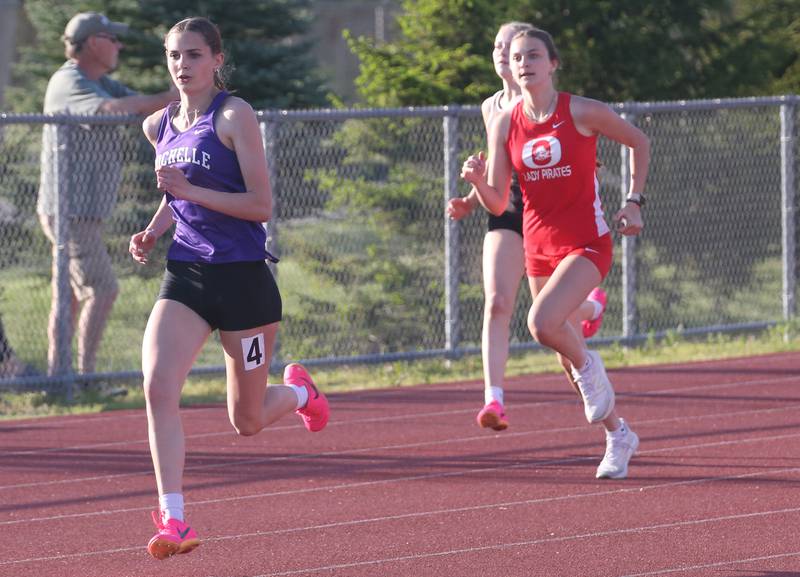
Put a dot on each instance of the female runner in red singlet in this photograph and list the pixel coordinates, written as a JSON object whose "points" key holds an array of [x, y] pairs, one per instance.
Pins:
{"points": [[504, 257], [550, 140]]}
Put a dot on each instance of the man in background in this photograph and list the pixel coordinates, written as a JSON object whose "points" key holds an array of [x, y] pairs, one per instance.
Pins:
{"points": [[91, 159]]}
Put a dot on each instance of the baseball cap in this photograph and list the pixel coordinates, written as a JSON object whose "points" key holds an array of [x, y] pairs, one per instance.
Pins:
{"points": [[83, 25]]}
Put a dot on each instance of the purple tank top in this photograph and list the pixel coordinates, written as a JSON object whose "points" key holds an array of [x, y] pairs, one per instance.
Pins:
{"points": [[202, 234]]}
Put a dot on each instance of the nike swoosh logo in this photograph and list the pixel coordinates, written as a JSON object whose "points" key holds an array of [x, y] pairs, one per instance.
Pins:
{"points": [[312, 385], [184, 533], [200, 130], [557, 124], [592, 250]]}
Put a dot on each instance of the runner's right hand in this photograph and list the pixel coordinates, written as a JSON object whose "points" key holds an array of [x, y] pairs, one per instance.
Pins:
{"points": [[474, 169], [141, 244], [458, 208]]}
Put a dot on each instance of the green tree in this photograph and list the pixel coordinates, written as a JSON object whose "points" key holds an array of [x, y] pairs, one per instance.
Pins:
{"points": [[776, 25], [441, 57], [612, 50], [635, 50], [272, 67]]}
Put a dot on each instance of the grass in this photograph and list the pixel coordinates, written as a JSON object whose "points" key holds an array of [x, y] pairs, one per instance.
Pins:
{"points": [[207, 389], [25, 300]]}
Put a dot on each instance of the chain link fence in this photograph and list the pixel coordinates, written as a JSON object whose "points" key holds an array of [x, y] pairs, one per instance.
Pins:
{"points": [[371, 270]]}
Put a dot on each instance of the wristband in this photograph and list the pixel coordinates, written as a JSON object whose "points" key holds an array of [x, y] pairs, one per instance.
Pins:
{"points": [[637, 199]]}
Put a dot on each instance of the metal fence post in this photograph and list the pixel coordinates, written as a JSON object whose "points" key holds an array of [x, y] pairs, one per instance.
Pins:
{"points": [[61, 284], [451, 240], [269, 135], [629, 310], [787, 208]]}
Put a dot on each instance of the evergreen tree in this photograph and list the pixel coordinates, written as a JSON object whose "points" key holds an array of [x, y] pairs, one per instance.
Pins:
{"points": [[271, 66], [776, 25], [612, 50], [442, 55]]}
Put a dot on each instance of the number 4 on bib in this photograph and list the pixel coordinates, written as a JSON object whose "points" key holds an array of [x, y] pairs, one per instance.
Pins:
{"points": [[253, 351]]}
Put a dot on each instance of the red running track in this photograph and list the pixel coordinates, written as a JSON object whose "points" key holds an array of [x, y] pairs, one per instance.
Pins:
{"points": [[403, 483]]}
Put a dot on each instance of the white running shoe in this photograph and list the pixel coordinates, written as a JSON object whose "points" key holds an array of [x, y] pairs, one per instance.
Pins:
{"points": [[596, 389], [619, 450]]}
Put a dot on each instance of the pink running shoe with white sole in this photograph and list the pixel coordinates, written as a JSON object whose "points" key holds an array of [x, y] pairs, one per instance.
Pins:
{"points": [[316, 412], [590, 328], [492, 416], [173, 537]]}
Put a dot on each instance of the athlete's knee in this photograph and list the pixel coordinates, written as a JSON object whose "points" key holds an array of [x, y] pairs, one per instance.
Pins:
{"points": [[532, 327], [498, 305], [246, 424], [246, 420], [159, 392], [541, 325], [247, 429]]}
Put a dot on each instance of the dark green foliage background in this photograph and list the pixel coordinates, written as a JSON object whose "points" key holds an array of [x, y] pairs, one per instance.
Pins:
{"points": [[272, 68]]}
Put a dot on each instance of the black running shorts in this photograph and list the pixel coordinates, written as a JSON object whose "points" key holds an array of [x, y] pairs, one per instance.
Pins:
{"points": [[508, 220], [511, 219], [232, 296]]}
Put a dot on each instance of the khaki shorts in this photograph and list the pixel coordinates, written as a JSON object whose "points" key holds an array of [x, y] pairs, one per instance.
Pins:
{"points": [[90, 268]]}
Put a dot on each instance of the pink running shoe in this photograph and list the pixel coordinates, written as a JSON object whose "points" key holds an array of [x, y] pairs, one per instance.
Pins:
{"points": [[492, 416], [173, 537], [316, 412], [590, 328]]}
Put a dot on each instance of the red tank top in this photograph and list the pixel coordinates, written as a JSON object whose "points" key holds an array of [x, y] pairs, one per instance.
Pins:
{"points": [[556, 166]]}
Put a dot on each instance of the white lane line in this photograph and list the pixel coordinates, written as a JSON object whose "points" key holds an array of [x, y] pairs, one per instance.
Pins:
{"points": [[751, 362], [566, 538], [720, 564], [81, 419], [497, 546], [476, 470], [402, 417], [345, 452]]}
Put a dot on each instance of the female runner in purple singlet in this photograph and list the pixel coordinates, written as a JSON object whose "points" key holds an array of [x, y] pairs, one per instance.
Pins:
{"points": [[211, 166]]}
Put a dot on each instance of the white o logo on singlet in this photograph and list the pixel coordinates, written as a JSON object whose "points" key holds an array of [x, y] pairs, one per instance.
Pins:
{"points": [[542, 152]]}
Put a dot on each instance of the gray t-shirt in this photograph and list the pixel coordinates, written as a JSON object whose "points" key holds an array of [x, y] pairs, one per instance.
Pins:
{"points": [[91, 154]]}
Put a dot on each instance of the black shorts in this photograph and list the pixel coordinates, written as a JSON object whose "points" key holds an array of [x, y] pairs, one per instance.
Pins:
{"points": [[230, 297], [508, 220]]}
